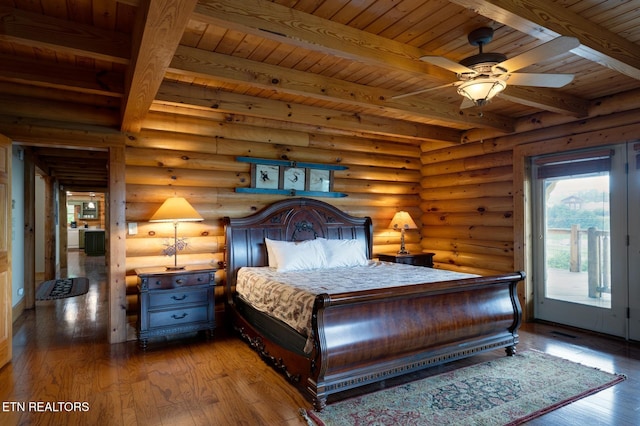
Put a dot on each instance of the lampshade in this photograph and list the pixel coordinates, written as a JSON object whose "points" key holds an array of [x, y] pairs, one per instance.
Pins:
{"points": [[481, 90], [91, 204], [176, 209], [402, 220]]}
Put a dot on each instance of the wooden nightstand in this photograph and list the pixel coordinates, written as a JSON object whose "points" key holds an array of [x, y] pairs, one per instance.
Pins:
{"points": [[417, 259], [172, 302]]}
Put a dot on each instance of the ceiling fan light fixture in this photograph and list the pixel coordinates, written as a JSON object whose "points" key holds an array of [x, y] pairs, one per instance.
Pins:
{"points": [[481, 90]]}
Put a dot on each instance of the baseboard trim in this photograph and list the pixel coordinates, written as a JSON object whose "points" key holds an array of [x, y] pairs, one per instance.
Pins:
{"points": [[17, 310]]}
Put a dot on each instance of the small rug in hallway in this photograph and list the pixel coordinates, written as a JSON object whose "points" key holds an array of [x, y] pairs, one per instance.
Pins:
{"points": [[61, 288], [505, 391]]}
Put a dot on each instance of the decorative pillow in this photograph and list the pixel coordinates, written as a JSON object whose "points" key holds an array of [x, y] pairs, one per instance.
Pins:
{"points": [[342, 253], [292, 256]]}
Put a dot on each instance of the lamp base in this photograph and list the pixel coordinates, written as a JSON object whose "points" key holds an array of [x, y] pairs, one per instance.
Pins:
{"points": [[402, 250], [174, 268]]}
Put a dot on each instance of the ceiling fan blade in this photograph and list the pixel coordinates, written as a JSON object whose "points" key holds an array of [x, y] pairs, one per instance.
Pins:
{"points": [[467, 103], [544, 52], [539, 80], [447, 64], [418, 92]]}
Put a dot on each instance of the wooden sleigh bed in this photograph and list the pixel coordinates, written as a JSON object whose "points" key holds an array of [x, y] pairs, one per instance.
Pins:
{"points": [[364, 336]]}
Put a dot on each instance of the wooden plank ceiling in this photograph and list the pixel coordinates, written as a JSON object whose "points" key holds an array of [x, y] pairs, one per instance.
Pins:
{"points": [[333, 64], [77, 170]]}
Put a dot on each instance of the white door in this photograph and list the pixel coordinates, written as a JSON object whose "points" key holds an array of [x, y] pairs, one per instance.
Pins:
{"points": [[5, 250], [580, 239]]}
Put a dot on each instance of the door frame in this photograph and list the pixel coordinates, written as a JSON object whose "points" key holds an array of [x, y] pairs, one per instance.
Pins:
{"points": [[633, 225], [523, 232], [6, 306], [610, 320], [115, 222]]}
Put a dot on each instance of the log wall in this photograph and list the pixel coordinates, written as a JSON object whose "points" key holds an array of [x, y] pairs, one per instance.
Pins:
{"points": [[467, 205], [381, 178]]}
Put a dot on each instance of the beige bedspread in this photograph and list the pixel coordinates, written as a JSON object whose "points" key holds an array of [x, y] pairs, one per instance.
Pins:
{"points": [[289, 296]]}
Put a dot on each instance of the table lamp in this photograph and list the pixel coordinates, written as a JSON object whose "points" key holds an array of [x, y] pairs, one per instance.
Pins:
{"points": [[175, 209], [401, 221]]}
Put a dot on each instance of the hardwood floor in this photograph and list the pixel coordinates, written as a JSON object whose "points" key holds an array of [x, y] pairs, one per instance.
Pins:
{"points": [[61, 357]]}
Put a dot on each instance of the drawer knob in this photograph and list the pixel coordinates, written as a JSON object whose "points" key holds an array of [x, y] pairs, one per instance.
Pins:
{"points": [[158, 282], [174, 316], [179, 281], [176, 298]]}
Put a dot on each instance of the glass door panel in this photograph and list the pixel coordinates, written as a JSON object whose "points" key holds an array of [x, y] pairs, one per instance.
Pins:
{"points": [[580, 250], [577, 242]]}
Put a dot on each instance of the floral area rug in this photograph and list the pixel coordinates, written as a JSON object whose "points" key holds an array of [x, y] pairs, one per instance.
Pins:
{"points": [[505, 391], [62, 288]]}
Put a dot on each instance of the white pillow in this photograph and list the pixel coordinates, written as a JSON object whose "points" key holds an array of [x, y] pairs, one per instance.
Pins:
{"points": [[271, 257], [342, 253], [292, 256]]}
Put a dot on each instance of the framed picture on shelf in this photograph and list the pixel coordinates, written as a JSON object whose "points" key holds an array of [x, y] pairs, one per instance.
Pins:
{"points": [[265, 176], [319, 180], [294, 178]]}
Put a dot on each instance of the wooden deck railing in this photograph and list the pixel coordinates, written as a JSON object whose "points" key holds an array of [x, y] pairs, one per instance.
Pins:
{"points": [[597, 250]]}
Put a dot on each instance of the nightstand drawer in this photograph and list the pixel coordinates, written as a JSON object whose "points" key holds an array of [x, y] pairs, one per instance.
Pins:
{"points": [[178, 317], [177, 280], [416, 259], [178, 297], [406, 260]]}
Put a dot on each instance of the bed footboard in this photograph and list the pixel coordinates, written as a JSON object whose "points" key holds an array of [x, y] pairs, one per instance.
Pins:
{"points": [[367, 337]]}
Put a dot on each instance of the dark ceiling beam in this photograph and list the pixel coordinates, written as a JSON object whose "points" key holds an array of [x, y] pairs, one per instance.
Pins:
{"points": [[43, 32], [61, 76], [159, 27], [59, 111]]}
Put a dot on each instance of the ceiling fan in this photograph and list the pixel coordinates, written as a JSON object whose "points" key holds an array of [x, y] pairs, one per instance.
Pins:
{"points": [[484, 75]]}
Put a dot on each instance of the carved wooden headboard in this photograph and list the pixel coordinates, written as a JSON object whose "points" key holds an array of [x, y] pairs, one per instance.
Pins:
{"points": [[293, 219]]}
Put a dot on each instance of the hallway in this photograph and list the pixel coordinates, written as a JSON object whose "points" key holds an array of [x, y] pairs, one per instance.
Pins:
{"points": [[77, 319]]}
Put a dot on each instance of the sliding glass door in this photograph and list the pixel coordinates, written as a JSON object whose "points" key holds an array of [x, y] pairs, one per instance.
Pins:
{"points": [[581, 269]]}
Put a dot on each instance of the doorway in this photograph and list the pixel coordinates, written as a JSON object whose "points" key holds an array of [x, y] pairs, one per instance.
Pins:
{"points": [[585, 210], [85, 221], [48, 174]]}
